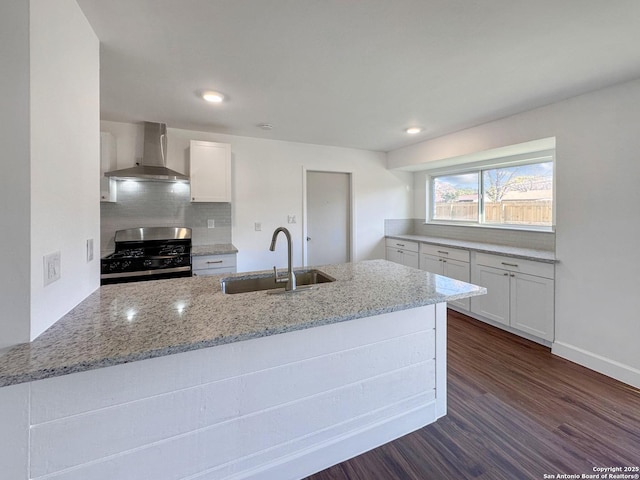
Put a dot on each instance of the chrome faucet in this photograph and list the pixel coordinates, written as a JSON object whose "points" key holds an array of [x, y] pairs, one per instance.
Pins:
{"points": [[291, 277]]}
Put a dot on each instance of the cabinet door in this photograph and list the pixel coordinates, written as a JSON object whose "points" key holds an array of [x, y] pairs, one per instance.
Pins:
{"points": [[394, 255], [210, 171], [411, 259], [458, 271], [532, 305], [495, 304], [431, 264], [108, 161]]}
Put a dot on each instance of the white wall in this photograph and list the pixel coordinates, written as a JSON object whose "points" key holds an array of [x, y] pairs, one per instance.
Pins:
{"points": [[51, 193], [597, 216], [14, 182], [267, 177], [65, 156]]}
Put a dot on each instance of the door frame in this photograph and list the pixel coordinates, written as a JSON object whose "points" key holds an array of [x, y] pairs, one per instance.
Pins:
{"points": [[351, 233]]}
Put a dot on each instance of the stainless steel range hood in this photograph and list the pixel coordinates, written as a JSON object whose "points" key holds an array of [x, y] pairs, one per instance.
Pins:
{"points": [[154, 159]]}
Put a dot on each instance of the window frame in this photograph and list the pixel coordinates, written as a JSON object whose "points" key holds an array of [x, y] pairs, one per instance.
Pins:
{"points": [[479, 168]]}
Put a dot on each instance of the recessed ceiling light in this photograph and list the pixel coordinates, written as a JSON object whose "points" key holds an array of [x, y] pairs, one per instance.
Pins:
{"points": [[413, 130], [266, 126], [213, 97]]}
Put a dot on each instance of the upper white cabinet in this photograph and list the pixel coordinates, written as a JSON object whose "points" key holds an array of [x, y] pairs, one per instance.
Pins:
{"points": [[210, 171], [450, 262], [108, 160], [404, 252], [520, 293]]}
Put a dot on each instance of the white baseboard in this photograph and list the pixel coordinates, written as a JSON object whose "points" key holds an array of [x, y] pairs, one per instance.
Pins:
{"points": [[606, 366]]}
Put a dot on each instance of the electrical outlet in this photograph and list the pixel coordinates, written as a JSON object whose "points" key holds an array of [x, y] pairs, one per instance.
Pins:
{"points": [[257, 226], [291, 219], [89, 249], [211, 223], [51, 268]]}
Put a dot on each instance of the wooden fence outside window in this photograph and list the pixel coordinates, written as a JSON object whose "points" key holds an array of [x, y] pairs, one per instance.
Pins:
{"points": [[513, 212]]}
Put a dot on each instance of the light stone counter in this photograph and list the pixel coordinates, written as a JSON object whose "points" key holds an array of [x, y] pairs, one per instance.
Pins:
{"points": [[134, 321], [505, 250], [215, 249]]}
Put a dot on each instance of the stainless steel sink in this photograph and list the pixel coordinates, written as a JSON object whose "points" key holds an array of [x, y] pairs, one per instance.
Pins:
{"points": [[305, 279]]}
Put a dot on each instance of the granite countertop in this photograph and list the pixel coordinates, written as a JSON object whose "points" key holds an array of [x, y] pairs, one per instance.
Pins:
{"points": [[546, 256], [133, 321], [215, 249]]}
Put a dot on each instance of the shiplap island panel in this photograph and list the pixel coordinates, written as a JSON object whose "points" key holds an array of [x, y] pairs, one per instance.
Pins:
{"points": [[327, 374]]}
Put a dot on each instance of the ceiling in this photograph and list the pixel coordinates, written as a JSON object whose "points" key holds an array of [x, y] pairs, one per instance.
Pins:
{"points": [[355, 73]]}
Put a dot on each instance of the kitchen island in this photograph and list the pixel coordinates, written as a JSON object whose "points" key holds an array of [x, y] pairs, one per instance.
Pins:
{"points": [[174, 379]]}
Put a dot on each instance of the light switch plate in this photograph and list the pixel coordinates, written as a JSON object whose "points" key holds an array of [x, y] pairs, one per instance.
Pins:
{"points": [[211, 223], [257, 226], [51, 268]]}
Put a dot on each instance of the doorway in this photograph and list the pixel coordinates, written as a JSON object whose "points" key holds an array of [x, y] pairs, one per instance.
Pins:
{"points": [[328, 218]]}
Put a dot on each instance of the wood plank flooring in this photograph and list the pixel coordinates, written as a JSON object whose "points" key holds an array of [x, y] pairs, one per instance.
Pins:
{"points": [[515, 411]]}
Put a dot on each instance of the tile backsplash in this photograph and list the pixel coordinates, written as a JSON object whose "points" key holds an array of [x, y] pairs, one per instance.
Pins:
{"points": [[161, 204], [499, 236], [399, 226]]}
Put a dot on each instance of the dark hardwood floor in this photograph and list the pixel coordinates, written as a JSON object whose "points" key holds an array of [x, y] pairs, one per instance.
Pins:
{"points": [[515, 411]]}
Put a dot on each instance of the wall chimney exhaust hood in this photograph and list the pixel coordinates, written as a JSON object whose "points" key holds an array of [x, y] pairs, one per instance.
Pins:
{"points": [[154, 159]]}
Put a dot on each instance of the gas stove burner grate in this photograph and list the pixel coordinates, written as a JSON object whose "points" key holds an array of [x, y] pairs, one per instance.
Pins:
{"points": [[128, 253], [172, 250]]}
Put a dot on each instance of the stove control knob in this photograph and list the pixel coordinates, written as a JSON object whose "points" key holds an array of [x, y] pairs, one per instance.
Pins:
{"points": [[147, 263]]}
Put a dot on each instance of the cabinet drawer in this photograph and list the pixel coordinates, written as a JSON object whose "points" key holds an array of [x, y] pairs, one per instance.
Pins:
{"points": [[403, 244], [202, 262], [445, 252], [530, 267], [213, 271]]}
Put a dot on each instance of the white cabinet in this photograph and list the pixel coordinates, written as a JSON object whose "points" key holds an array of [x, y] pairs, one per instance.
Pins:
{"points": [[520, 293], [450, 262], [532, 305], [204, 265], [404, 252], [495, 304], [210, 171], [108, 161]]}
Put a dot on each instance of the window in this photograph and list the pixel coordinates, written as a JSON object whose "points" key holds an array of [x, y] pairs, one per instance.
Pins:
{"points": [[456, 197], [516, 193]]}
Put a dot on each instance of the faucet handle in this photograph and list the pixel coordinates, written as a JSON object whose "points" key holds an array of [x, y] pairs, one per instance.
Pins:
{"points": [[278, 279]]}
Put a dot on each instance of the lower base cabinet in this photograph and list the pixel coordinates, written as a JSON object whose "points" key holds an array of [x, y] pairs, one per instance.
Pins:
{"points": [[520, 292], [403, 252], [495, 305], [450, 262], [204, 265], [524, 301], [532, 306]]}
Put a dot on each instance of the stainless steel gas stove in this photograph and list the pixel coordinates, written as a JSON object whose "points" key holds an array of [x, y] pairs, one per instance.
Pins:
{"points": [[148, 253]]}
